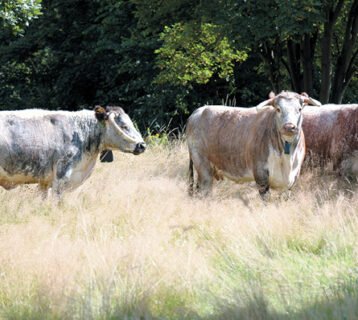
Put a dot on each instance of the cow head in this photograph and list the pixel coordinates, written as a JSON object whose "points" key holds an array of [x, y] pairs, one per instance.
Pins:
{"points": [[288, 107], [120, 132]]}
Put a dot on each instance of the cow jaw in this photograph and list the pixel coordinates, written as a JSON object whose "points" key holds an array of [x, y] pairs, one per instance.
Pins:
{"points": [[289, 137], [125, 143], [117, 128]]}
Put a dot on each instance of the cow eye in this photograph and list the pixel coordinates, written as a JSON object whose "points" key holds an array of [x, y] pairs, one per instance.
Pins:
{"points": [[125, 127], [278, 110]]}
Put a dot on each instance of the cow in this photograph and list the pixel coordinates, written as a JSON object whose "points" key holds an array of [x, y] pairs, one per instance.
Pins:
{"points": [[58, 149], [332, 138], [264, 144]]}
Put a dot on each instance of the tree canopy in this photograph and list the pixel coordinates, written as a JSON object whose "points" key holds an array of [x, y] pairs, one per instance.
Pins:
{"points": [[17, 14], [162, 59]]}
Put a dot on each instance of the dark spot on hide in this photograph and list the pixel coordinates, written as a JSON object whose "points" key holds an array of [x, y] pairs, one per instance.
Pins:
{"points": [[31, 151], [89, 145], [23, 159], [53, 120], [36, 157], [77, 143], [92, 143]]}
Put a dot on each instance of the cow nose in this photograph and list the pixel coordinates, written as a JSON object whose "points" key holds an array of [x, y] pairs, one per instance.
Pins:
{"points": [[289, 127], [140, 147]]}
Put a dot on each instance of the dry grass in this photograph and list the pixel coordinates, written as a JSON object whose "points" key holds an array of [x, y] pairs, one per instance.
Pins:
{"points": [[130, 244]]}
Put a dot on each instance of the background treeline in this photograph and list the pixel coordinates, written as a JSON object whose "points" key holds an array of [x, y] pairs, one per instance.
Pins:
{"points": [[162, 59]]}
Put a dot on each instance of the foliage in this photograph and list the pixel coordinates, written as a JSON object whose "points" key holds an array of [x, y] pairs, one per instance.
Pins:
{"points": [[161, 60], [157, 139], [16, 14], [195, 53]]}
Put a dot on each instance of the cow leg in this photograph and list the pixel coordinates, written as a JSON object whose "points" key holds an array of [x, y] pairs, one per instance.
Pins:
{"points": [[44, 189], [205, 174], [191, 178], [262, 181], [62, 176]]}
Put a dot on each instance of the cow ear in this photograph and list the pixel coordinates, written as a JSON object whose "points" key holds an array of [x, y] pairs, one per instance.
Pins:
{"points": [[101, 113], [310, 101], [263, 105], [272, 95]]}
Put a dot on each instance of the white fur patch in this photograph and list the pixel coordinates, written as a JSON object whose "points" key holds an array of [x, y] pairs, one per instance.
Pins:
{"points": [[81, 171], [284, 168], [36, 113]]}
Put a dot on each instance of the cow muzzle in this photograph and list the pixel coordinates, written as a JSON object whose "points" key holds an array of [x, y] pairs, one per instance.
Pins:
{"points": [[289, 129], [139, 148]]}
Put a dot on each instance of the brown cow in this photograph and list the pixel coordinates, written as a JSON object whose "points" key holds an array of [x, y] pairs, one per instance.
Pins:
{"points": [[259, 144], [332, 137]]}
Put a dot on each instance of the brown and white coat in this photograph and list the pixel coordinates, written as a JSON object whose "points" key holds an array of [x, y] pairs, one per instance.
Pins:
{"points": [[264, 144], [332, 137]]}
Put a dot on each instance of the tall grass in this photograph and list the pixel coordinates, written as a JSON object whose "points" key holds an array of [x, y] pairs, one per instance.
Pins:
{"points": [[131, 244]]}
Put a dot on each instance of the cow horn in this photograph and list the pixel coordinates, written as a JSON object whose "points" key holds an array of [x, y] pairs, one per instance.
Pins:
{"points": [[118, 128], [263, 105]]}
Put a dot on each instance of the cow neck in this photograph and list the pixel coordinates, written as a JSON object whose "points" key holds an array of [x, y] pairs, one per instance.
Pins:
{"points": [[279, 143], [91, 132], [287, 146]]}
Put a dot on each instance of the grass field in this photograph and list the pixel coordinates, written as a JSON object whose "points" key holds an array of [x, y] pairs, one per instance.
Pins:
{"points": [[131, 244]]}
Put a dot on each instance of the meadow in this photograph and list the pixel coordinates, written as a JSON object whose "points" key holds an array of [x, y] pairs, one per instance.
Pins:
{"points": [[131, 244]]}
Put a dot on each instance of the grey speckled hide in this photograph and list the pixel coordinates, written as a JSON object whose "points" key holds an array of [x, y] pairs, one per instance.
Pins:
{"points": [[58, 149]]}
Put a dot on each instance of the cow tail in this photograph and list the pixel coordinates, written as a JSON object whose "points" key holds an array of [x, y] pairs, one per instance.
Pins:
{"points": [[191, 178]]}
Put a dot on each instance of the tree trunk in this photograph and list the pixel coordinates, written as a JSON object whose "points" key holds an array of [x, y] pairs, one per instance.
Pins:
{"points": [[345, 63], [272, 55], [294, 65], [307, 51], [326, 63]]}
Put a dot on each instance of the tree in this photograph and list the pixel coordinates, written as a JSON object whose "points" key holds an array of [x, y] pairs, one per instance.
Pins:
{"points": [[195, 52], [16, 14], [346, 65], [162, 59], [293, 46]]}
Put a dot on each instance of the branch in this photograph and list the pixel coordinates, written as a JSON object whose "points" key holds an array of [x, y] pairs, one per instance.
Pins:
{"points": [[351, 67], [337, 10]]}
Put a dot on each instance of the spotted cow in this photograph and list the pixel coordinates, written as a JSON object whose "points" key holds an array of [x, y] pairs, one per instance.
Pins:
{"points": [[59, 149]]}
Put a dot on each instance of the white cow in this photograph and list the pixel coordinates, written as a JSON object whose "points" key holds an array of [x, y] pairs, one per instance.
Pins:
{"points": [[59, 149]]}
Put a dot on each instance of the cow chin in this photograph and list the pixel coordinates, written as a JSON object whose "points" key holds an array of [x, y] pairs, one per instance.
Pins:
{"points": [[139, 148], [289, 132], [289, 136], [135, 152]]}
